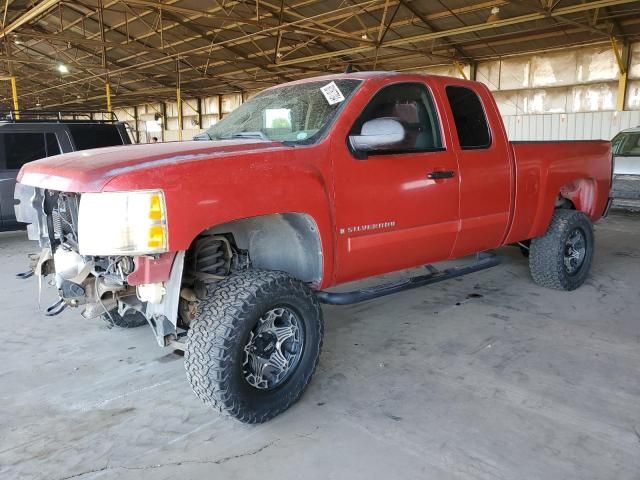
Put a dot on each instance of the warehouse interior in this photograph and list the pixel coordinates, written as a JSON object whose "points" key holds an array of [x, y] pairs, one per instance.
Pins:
{"points": [[480, 377], [183, 68]]}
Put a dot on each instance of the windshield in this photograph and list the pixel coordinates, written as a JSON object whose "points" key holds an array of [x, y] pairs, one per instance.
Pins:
{"points": [[626, 144], [296, 114]]}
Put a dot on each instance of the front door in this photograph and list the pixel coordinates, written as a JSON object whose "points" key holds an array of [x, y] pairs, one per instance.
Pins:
{"points": [[396, 207]]}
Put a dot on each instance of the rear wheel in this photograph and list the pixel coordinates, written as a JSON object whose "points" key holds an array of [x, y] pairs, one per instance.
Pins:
{"points": [[562, 257], [254, 344]]}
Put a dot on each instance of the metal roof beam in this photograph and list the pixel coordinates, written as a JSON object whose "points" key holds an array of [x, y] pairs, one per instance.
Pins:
{"points": [[428, 23], [28, 16], [547, 12], [467, 29]]}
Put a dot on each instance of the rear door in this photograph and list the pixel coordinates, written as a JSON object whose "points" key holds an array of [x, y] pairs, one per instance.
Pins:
{"points": [[485, 166], [390, 214], [18, 147]]}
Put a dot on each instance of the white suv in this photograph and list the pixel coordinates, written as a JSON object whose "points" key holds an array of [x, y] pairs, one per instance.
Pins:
{"points": [[626, 168]]}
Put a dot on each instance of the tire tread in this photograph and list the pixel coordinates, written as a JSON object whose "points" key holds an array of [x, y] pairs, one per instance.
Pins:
{"points": [[214, 333], [546, 254]]}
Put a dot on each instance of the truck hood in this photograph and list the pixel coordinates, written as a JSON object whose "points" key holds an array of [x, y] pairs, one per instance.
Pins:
{"points": [[91, 170]]}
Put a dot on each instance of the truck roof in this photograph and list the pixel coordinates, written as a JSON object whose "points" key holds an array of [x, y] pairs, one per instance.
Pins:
{"points": [[367, 75]]}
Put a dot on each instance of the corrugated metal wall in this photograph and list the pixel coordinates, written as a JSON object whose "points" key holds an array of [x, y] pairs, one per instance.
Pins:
{"points": [[570, 126], [569, 94]]}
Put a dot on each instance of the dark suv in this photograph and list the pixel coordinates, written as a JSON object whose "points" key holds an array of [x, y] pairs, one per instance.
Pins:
{"points": [[40, 134]]}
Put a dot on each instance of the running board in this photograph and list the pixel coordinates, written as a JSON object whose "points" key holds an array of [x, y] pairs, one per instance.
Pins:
{"points": [[483, 261]]}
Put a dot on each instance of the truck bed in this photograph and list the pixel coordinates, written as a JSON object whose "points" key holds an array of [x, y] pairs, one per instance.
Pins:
{"points": [[544, 166]]}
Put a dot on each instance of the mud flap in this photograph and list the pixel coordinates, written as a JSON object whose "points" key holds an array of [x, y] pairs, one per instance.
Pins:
{"points": [[163, 316]]}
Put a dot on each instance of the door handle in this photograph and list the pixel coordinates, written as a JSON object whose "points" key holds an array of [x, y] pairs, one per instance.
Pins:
{"points": [[441, 174]]}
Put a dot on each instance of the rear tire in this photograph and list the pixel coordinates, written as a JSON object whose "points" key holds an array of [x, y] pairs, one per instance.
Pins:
{"points": [[562, 257], [238, 318]]}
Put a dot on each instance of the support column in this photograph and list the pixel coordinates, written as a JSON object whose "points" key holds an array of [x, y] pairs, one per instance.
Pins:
{"points": [[163, 110], [137, 126], [622, 59], [199, 105], [14, 94], [12, 79], [473, 70], [178, 99], [179, 106], [107, 92]]}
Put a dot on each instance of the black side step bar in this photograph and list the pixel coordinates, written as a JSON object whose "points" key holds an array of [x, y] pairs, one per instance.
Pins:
{"points": [[483, 260]]}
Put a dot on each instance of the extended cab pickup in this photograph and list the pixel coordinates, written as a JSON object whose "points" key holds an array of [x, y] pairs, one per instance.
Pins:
{"points": [[306, 186]]}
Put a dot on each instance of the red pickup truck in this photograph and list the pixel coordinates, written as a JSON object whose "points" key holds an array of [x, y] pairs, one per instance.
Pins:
{"points": [[308, 185]]}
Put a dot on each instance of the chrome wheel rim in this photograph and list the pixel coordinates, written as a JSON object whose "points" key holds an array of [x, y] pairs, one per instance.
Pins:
{"points": [[575, 251], [273, 349]]}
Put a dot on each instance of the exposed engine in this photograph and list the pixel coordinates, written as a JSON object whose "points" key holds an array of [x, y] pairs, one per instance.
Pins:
{"points": [[101, 284], [97, 283]]}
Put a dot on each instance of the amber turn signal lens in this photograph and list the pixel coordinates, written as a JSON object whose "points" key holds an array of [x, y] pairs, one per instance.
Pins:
{"points": [[156, 236], [155, 207]]}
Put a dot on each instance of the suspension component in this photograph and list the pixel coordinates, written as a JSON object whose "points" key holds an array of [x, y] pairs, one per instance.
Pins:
{"points": [[210, 258]]}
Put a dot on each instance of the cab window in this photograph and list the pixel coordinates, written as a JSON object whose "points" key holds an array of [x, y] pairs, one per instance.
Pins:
{"points": [[411, 105], [470, 119]]}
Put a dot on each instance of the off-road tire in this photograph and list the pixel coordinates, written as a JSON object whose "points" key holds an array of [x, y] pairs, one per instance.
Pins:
{"points": [[216, 339], [128, 320], [546, 254]]}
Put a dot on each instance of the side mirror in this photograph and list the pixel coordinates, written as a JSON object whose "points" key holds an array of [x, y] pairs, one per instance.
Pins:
{"points": [[378, 134]]}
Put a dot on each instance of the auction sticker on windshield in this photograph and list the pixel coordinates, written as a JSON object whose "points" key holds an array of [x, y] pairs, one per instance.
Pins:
{"points": [[332, 93]]}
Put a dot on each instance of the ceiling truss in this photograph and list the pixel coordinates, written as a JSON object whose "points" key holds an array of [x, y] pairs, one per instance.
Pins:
{"points": [[241, 45]]}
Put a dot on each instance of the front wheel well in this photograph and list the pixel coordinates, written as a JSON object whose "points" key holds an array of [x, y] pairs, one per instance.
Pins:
{"points": [[289, 242]]}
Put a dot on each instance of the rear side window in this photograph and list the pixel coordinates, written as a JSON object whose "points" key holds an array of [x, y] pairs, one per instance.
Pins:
{"points": [[468, 114], [94, 136], [21, 148]]}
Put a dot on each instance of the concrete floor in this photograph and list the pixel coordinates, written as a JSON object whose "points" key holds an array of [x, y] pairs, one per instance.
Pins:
{"points": [[488, 376]]}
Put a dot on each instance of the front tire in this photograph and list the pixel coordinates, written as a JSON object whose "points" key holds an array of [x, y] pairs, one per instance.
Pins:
{"points": [[562, 257], [255, 344]]}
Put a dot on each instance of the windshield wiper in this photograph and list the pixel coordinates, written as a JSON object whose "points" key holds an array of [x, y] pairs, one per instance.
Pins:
{"points": [[256, 134], [203, 136]]}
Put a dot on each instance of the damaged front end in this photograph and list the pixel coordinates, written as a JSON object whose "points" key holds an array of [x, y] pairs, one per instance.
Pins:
{"points": [[101, 285]]}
